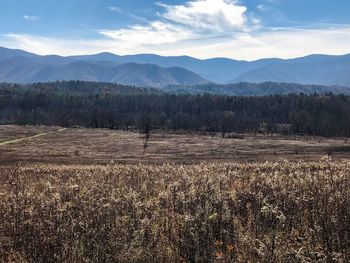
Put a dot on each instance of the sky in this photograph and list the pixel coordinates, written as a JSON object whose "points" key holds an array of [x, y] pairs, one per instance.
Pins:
{"points": [[238, 29]]}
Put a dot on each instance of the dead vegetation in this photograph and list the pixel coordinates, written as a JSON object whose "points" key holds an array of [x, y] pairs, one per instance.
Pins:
{"points": [[12, 132], [260, 212], [101, 146], [93, 195]]}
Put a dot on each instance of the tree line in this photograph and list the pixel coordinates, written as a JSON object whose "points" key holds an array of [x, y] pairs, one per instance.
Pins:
{"points": [[321, 115]]}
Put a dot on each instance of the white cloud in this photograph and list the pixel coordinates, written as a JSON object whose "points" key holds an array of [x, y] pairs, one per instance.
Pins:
{"points": [[31, 18], [281, 42], [47, 45], [155, 33], [207, 15], [194, 20]]}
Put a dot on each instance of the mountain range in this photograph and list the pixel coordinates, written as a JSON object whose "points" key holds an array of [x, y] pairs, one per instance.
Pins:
{"points": [[148, 70], [29, 68]]}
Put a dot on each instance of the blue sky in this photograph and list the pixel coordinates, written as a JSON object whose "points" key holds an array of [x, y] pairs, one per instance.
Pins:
{"points": [[241, 29]]}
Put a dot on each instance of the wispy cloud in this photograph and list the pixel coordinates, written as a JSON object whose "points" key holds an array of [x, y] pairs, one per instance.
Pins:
{"points": [[60, 46], [155, 33], [279, 42], [115, 9], [31, 18]]}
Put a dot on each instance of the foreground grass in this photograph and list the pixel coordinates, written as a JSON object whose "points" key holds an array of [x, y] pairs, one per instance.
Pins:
{"points": [[262, 212]]}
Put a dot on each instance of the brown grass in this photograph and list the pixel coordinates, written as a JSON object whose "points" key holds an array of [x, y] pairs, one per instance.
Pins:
{"points": [[98, 146], [93, 195], [12, 132], [260, 212]]}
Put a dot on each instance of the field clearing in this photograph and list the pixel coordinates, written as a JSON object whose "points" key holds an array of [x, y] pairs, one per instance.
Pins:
{"points": [[102, 146], [96, 195]]}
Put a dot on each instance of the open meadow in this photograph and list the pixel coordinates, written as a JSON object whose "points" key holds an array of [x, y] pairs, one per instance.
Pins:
{"points": [[94, 195], [53, 145]]}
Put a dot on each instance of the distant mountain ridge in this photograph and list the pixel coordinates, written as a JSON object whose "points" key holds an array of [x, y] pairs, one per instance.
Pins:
{"points": [[23, 67], [315, 69], [150, 70], [219, 70]]}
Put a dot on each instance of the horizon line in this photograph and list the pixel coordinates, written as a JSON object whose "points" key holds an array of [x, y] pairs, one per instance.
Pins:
{"points": [[177, 56]]}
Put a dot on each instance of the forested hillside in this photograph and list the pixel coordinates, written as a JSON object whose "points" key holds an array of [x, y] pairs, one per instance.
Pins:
{"points": [[257, 89], [76, 88], [238, 89]]}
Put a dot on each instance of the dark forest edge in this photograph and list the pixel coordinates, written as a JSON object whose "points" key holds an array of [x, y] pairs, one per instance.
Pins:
{"points": [[235, 89], [107, 105]]}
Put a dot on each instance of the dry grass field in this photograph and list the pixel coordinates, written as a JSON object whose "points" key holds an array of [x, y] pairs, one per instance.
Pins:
{"points": [[99, 146], [94, 195], [261, 212], [12, 132]]}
